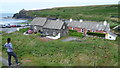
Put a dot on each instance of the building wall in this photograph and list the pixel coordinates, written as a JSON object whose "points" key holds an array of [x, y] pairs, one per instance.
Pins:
{"points": [[110, 37], [36, 28], [53, 32], [82, 30], [70, 28], [63, 31], [100, 31], [78, 29]]}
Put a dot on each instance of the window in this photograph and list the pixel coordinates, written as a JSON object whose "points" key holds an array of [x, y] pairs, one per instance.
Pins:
{"points": [[93, 31], [82, 30], [39, 30], [72, 28], [88, 30], [109, 37], [63, 27], [35, 27], [54, 33], [46, 33]]}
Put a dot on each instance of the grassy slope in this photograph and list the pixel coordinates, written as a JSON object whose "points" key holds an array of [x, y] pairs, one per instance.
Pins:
{"points": [[35, 52], [0, 49], [97, 13], [100, 12]]}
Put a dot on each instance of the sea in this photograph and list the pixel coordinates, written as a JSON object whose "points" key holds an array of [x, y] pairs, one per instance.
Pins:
{"points": [[6, 18]]}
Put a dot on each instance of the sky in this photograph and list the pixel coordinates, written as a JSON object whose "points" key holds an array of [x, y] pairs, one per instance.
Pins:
{"points": [[14, 6]]}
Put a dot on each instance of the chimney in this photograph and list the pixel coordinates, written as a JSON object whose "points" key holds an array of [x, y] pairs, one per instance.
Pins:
{"points": [[105, 23], [70, 19], [81, 20]]}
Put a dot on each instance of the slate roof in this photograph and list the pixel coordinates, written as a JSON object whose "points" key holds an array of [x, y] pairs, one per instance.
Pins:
{"points": [[39, 21], [89, 25], [53, 24], [107, 28]]}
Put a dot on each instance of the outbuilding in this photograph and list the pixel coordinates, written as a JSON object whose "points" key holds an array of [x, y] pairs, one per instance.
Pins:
{"points": [[110, 36]]}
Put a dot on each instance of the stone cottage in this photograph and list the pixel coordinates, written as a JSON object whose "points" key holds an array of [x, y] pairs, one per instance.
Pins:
{"points": [[53, 27], [38, 23], [101, 27], [88, 26], [49, 27]]}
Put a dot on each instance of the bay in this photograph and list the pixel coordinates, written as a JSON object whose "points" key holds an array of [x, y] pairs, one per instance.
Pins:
{"points": [[6, 18]]}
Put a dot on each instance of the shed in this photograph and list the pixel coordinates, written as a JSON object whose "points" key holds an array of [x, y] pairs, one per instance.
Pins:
{"points": [[110, 36]]}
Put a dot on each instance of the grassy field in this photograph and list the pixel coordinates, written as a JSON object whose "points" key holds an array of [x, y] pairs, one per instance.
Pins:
{"points": [[87, 13], [32, 51], [94, 13], [80, 12], [0, 49], [97, 12]]}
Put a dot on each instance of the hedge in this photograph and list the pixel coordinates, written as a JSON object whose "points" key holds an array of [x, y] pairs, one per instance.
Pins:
{"points": [[24, 30], [96, 34], [73, 30], [75, 33]]}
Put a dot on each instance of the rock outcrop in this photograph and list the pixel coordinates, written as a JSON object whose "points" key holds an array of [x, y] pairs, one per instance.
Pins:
{"points": [[23, 15]]}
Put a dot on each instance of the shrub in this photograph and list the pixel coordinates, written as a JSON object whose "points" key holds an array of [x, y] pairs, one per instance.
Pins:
{"points": [[38, 34], [24, 30], [96, 34], [73, 30], [75, 33]]}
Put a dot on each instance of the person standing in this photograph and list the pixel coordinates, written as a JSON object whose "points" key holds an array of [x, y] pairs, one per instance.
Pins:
{"points": [[10, 52]]}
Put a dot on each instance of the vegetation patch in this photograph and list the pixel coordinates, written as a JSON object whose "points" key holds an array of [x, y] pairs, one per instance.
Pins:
{"points": [[93, 51], [23, 30], [75, 33], [96, 34]]}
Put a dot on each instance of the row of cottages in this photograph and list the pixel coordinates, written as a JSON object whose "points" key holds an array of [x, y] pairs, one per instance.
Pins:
{"points": [[87, 26], [49, 27]]}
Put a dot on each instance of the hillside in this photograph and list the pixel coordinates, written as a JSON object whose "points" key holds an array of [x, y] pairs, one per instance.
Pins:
{"points": [[99, 12], [94, 13], [89, 51]]}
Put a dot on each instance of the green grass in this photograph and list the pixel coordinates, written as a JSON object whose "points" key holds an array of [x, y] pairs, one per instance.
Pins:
{"points": [[88, 13], [75, 33], [0, 49], [96, 34], [97, 13], [31, 51], [94, 13], [0, 64]]}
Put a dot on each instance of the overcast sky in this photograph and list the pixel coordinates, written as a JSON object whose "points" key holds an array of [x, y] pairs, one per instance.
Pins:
{"points": [[14, 6]]}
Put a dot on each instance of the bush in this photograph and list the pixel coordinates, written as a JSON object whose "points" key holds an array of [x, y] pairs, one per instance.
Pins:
{"points": [[38, 34], [75, 33], [24, 30], [73, 30], [96, 34]]}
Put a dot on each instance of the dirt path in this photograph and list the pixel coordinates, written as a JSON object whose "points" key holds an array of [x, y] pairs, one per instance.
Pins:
{"points": [[70, 39]]}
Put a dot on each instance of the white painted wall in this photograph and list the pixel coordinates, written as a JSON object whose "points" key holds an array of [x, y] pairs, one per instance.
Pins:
{"points": [[110, 37], [56, 37], [81, 20], [70, 19]]}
